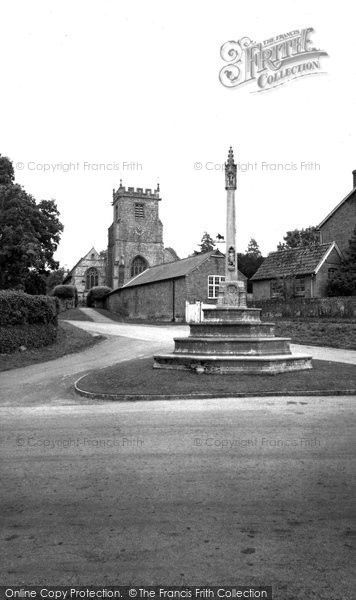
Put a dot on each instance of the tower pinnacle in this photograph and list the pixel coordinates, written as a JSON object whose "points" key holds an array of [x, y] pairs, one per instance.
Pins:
{"points": [[230, 171]]}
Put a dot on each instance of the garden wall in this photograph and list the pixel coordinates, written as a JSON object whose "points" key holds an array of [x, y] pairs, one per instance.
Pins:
{"points": [[327, 308]]}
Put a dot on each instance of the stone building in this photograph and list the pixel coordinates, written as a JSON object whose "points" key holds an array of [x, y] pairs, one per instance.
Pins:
{"points": [[161, 292], [135, 238], [88, 272], [339, 224], [301, 272]]}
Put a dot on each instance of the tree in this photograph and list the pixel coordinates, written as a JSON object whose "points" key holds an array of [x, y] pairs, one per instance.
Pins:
{"points": [[253, 248], [207, 243], [299, 238], [7, 174], [55, 278], [35, 284], [30, 232], [343, 283], [249, 261]]}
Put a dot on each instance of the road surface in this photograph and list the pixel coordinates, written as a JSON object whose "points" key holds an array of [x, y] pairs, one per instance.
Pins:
{"points": [[234, 491]]}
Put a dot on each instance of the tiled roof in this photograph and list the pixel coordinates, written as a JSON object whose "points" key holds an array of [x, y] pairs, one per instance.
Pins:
{"points": [[301, 261], [172, 270]]}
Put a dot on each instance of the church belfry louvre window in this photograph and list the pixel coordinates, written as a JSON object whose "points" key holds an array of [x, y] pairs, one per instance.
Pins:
{"points": [[139, 264], [139, 210], [91, 278]]}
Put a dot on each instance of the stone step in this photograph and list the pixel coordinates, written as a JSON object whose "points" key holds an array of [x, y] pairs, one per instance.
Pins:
{"points": [[220, 314], [232, 329], [221, 365], [238, 346]]}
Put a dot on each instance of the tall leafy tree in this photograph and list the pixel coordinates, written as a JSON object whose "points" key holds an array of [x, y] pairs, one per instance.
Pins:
{"points": [[299, 238], [29, 231], [253, 248], [55, 278], [344, 281], [207, 243], [249, 261]]}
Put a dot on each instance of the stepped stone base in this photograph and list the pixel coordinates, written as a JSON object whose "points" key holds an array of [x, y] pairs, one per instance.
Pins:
{"points": [[223, 365], [232, 340], [232, 346]]}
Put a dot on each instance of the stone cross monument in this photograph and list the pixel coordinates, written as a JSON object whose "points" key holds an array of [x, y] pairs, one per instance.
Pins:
{"points": [[232, 292], [231, 338]]}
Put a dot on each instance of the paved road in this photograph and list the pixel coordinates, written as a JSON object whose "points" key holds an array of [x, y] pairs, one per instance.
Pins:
{"points": [[249, 491]]}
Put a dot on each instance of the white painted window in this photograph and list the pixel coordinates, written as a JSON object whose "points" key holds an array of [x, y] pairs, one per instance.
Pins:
{"points": [[214, 282]]}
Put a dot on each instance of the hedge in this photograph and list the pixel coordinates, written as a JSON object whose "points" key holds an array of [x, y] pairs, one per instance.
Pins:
{"points": [[18, 308], [64, 291], [34, 335], [97, 293], [26, 320]]}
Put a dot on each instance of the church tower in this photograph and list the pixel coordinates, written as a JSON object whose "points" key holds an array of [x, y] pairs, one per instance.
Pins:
{"points": [[136, 234]]}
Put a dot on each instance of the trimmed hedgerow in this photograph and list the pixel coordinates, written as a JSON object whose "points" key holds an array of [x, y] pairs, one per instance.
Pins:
{"points": [[34, 335], [26, 320], [97, 293], [64, 291], [18, 308]]}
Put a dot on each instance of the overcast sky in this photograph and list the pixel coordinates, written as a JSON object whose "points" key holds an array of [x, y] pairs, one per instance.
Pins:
{"points": [[136, 81]]}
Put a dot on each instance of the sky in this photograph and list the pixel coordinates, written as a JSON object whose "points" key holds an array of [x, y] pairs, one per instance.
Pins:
{"points": [[135, 84]]}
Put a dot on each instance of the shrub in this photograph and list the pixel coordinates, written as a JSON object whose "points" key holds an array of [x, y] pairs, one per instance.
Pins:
{"points": [[33, 335], [97, 293], [26, 320], [18, 308], [64, 291]]}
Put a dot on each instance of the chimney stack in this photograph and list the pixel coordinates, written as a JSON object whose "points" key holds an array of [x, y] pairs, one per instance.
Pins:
{"points": [[354, 178]]}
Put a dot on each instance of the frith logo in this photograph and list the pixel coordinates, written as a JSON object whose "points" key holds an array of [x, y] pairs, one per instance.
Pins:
{"points": [[272, 62]]}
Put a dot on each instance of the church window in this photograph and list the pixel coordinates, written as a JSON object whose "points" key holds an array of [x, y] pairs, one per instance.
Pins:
{"points": [[213, 285], [92, 278], [139, 210], [139, 264]]}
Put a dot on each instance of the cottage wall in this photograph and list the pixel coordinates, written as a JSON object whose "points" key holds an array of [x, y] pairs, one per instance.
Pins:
{"points": [[322, 277], [339, 227]]}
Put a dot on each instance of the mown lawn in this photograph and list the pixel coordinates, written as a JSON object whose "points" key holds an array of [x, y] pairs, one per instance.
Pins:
{"points": [[138, 377], [69, 339]]}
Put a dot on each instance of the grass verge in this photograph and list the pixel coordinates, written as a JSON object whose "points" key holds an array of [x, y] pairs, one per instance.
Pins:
{"points": [[137, 377], [318, 333], [73, 314], [69, 339]]}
